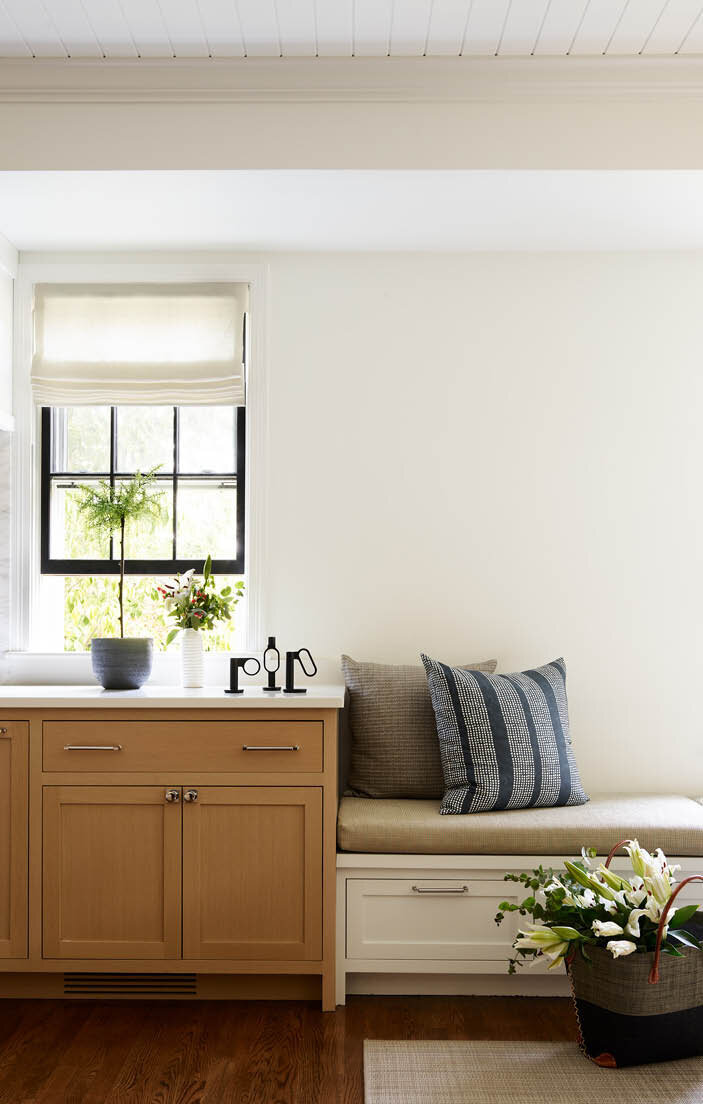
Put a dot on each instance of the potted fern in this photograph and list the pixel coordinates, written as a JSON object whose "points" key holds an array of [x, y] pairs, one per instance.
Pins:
{"points": [[122, 663]]}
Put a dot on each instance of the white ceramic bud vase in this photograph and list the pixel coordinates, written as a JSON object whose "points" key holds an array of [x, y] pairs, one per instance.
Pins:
{"points": [[191, 658]]}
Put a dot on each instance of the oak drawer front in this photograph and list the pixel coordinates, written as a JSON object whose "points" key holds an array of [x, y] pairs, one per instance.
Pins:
{"points": [[428, 919], [182, 746]]}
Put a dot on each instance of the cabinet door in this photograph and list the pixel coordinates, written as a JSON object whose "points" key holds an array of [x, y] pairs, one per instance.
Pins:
{"points": [[252, 873], [13, 839], [112, 861]]}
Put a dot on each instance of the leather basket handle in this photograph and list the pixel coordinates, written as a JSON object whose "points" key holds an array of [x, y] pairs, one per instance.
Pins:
{"points": [[613, 851], [654, 972]]}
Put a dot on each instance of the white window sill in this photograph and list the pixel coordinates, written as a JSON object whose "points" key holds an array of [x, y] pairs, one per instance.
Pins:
{"points": [[73, 669]]}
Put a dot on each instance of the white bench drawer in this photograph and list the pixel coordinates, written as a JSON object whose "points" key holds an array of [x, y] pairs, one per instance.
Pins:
{"points": [[429, 919]]}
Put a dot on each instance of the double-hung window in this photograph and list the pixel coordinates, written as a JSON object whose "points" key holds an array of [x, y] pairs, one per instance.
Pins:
{"points": [[133, 378]]}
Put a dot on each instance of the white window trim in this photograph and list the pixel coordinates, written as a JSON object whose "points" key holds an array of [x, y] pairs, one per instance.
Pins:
{"points": [[25, 561]]}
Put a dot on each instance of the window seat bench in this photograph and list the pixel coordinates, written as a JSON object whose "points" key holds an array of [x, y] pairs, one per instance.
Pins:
{"points": [[417, 892]]}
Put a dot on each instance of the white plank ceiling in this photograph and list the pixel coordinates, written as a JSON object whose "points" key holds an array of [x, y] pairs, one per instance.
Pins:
{"points": [[348, 28]]}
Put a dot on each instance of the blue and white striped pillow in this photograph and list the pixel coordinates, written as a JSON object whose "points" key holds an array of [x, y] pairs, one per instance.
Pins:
{"points": [[504, 739]]}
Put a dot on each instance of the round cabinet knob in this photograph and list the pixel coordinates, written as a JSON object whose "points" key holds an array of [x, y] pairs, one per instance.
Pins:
{"points": [[190, 795], [172, 795]]}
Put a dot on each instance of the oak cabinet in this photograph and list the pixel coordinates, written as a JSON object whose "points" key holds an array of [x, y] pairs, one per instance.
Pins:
{"points": [[13, 838], [112, 872], [252, 876], [240, 863], [141, 842], [137, 746]]}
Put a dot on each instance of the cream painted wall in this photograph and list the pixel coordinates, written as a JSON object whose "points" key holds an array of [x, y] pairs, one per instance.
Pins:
{"points": [[500, 455], [494, 454], [6, 295]]}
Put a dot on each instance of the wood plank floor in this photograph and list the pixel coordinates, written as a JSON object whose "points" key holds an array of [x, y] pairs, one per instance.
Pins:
{"points": [[220, 1052]]}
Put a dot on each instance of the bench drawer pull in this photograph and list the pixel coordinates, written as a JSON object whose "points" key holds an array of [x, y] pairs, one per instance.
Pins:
{"points": [[270, 747], [92, 747], [442, 889]]}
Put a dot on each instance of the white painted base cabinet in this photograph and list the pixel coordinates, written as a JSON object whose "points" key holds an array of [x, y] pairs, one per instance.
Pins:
{"points": [[418, 923]]}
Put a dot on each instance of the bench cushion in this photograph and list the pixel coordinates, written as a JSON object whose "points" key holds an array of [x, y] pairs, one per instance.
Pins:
{"points": [[411, 827]]}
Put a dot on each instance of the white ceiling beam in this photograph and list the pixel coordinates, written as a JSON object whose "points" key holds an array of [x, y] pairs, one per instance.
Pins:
{"points": [[383, 113], [450, 79]]}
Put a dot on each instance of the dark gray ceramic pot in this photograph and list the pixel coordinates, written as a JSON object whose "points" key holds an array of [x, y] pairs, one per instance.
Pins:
{"points": [[122, 664]]}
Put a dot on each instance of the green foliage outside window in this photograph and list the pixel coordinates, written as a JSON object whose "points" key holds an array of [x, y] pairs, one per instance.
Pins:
{"points": [[90, 609]]}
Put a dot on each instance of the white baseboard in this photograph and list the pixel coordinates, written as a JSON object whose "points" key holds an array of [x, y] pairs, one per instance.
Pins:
{"points": [[484, 985]]}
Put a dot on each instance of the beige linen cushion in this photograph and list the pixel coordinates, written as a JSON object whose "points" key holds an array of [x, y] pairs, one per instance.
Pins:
{"points": [[394, 744], [669, 821]]}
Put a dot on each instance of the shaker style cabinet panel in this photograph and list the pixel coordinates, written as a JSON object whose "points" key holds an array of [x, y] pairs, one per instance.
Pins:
{"points": [[252, 873], [112, 872], [13, 838], [126, 746]]}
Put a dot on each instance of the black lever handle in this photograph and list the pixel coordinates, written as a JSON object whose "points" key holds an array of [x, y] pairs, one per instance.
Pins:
{"points": [[234, 667], [271, 663], [290, 687]]}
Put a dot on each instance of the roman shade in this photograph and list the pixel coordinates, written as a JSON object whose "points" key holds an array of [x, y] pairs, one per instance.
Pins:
{"points": [[145, 344]]}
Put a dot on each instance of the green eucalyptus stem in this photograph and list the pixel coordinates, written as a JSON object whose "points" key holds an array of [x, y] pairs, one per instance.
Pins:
{"points": [[122, 525]]}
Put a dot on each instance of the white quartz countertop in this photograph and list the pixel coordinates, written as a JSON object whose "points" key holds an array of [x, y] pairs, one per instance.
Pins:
{"points": [[166, 697]]}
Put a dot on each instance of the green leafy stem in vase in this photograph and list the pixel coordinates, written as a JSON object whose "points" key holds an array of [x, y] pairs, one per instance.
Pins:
{"points": [[110, 507], [195, 603]]}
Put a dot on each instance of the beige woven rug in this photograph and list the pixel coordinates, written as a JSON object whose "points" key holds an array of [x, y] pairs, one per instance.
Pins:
{"points": [[517, 1073]]}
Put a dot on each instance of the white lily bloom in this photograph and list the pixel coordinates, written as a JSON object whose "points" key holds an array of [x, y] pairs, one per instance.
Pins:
{"points": [[539, 936], [587, 899], [615, 881], [586, 859], [633, 924], [620, 947], [606, 928], [556, 954], [608, 906], [636, 895], [641, 860], [659, 886]]}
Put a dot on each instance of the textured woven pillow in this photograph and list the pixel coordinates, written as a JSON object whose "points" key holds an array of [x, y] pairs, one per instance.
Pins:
{"points": [[504, 739], [394, 748]]}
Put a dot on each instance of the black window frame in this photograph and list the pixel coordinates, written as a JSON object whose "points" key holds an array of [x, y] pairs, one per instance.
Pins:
{"points": [[49, 566]]}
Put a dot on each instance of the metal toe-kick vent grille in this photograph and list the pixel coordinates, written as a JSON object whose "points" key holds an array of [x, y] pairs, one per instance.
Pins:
{"points": [[130, 985]]}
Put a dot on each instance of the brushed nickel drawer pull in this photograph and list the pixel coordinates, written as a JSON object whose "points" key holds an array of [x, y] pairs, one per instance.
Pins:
{"points": [[443, 889], [270, 747], [92, 747], [3, 732]]}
